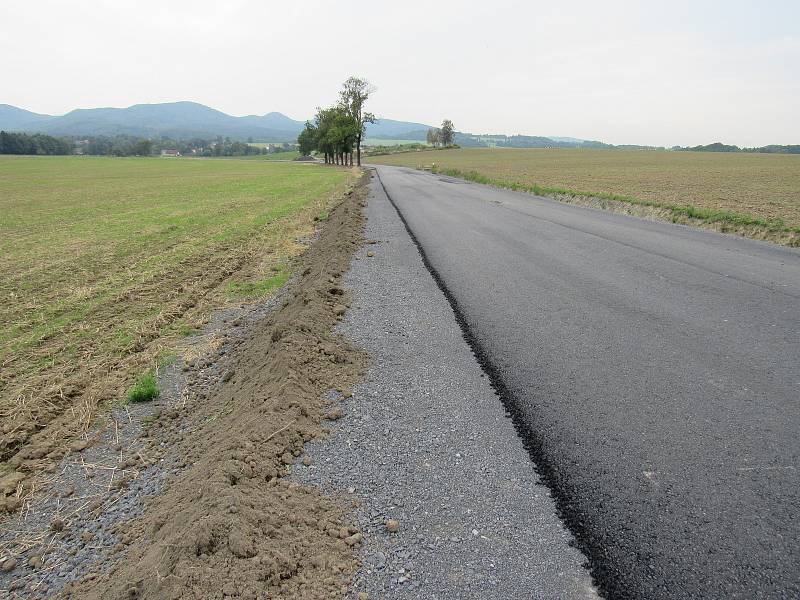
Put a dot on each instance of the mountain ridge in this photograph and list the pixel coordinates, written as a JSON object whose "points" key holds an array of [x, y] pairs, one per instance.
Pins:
{"points": [[182, 119]]}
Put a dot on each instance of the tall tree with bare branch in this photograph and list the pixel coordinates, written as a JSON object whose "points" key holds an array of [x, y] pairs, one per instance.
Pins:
{"points": [[355, 92]]}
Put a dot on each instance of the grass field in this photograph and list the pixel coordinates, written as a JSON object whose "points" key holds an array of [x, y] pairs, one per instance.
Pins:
{"points": [[290, 155], [106, 262], [761, 190], [381, 142]]}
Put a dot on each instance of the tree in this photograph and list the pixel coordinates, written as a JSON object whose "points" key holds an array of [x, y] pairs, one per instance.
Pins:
{"points": [[307, 140], [143, 148], [355, 92], [434, 136], [447, 133]]}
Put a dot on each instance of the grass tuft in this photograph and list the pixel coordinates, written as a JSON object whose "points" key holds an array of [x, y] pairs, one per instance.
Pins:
{"points": [[261, 287], [146, 389]]}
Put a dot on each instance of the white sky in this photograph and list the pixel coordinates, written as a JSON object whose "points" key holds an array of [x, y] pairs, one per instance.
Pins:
{"points": [[661, 73]]}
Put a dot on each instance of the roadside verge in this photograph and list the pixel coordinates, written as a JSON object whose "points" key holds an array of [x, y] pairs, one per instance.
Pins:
{"points": [[230, 522], [721, 221]]}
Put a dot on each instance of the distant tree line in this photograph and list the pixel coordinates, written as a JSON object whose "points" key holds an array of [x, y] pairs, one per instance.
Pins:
{"points": [[23, 143], [442, 136], [720, 147], [124, 145], [339, 130]]}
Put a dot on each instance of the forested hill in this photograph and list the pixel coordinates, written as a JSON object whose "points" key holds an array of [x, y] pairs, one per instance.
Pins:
{"points": [[178, 120]]}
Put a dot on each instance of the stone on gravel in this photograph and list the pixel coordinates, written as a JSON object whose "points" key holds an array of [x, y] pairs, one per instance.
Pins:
{"points": [[9, 564]]}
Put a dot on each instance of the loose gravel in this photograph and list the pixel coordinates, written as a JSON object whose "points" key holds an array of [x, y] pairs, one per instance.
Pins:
{"points": [[449, 504]]}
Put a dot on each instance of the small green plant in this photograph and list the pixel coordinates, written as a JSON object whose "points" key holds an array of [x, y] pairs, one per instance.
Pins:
{"points": [[262, 287], [166, 358], [146, 388], [323, 216], [187, 330]]}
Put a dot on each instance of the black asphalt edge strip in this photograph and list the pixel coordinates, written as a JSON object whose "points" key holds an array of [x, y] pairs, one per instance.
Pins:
{"points": [[567, 510]]}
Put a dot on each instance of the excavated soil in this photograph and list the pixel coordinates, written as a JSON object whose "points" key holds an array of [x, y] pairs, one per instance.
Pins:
{"points": [[229, 524]]}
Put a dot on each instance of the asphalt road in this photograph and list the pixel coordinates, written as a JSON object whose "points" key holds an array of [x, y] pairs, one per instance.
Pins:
{"points": [[653, 370]]}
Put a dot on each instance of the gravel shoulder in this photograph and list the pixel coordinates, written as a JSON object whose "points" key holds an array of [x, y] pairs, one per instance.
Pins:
{"points": [[425, 441]]}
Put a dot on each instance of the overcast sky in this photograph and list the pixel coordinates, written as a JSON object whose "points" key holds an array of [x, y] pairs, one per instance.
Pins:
{"points": [[661, 73]]}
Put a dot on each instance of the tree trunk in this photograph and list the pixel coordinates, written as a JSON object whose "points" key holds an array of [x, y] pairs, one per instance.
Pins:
{"points": [[358, 149]]}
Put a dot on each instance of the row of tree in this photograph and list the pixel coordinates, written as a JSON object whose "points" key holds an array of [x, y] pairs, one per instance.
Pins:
{"points": [[720, 147], [442, 136], [123, 145], [23, 143], [339, 130]]}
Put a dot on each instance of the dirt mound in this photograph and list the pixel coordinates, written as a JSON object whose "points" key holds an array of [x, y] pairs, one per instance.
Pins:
{"points": [[229, 524]]}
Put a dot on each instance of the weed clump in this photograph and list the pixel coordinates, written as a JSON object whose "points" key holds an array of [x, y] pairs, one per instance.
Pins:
{"points": [[146, 389]]}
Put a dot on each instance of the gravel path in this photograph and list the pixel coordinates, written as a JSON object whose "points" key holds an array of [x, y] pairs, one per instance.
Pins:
{"points": [[426, 442]]}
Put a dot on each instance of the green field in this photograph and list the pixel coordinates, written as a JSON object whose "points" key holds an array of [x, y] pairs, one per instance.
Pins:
{"points": [[104, 262], [290, 155], [380, 142], [759, 190]]}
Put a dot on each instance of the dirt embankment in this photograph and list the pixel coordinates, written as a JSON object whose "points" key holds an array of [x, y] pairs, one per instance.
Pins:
{"points": [[230, 524]]}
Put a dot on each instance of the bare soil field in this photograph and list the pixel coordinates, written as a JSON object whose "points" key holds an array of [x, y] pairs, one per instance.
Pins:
{"points": [[105, 264], [754, 194]]}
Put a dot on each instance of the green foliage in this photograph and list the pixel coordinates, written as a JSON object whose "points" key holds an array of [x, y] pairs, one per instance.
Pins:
{"points": [[146, 388], [39, 144], [306, 140], [143, 148], [447, 133], [124, 145], [338, 130]]}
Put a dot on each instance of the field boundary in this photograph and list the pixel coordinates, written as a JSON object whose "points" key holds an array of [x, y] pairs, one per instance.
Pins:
{"points": [[722, 221]]}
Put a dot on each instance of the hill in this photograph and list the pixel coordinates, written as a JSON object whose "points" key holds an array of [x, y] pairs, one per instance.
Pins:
{"points": [[176, 120], [18, 119], [171, 119], [185, 120]]}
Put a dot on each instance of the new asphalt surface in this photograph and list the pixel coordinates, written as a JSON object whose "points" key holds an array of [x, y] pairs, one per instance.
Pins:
{"points": [[652, 370], [425, 441]]}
